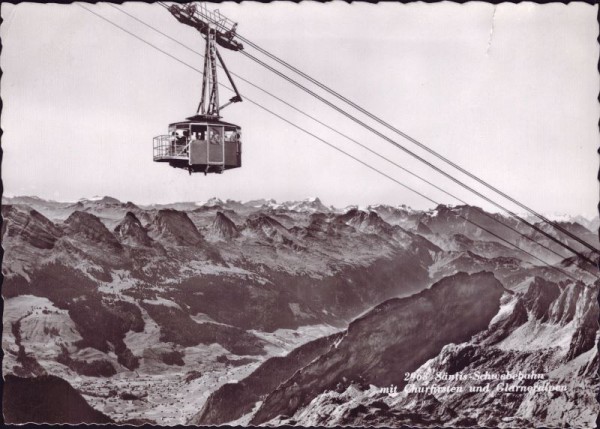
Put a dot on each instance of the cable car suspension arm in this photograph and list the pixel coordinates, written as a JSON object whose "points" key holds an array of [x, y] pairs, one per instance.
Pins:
{"points": [[237, 97], [216, 29]]}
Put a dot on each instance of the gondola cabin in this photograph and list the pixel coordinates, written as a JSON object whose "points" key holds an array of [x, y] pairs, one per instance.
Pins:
{"points": [[202, 144]]}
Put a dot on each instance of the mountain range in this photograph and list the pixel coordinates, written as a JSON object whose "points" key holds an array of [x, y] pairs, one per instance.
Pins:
{"points": [[294, 312]]}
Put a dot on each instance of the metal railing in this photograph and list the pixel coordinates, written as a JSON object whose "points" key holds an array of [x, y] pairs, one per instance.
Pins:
{"points": [[222, 23], [204, 20], [166, 146], [169, 147]]}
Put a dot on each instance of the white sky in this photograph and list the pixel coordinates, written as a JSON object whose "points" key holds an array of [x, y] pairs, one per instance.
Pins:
{"points": [[508, 92]]}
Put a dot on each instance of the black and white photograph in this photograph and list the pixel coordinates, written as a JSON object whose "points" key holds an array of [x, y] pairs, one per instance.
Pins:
{"points": [[313, 214]]}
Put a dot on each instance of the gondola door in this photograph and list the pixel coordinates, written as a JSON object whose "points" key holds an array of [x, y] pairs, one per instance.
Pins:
{"points": [[216, 148]]}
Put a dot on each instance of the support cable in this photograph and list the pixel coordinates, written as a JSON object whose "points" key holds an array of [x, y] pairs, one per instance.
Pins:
{"points": [[423, 160], [426, 148], [347, 137], [418, 143], [335, 147]]}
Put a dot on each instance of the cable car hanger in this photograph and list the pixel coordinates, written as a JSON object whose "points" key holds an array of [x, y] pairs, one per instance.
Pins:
{"points": [[204, 143], [216, 29]]}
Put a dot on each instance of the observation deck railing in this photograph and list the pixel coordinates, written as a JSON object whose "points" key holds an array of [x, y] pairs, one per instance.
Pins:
{"points": [[167, 147]]}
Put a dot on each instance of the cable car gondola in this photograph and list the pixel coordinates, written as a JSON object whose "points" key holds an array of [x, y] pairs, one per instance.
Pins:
{"points": [[204, 143]]}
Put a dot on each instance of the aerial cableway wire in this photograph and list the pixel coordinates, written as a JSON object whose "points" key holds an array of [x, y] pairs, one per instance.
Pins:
{"points": [[423, 160], [414, 155], [418, 143], [333, 146], [350, 138]]}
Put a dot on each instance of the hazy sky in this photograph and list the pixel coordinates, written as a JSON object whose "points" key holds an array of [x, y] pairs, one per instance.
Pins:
{"points": [[509, 92]]}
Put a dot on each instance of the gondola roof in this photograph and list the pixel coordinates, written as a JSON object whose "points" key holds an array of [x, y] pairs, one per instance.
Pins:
{"points": [[209, 119]]}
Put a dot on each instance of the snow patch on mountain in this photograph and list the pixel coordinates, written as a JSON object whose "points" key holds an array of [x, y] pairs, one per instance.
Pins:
{"points": [[534, 335], [162, 301]]}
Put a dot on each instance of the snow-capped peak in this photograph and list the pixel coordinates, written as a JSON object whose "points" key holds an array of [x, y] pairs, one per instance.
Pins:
{"points": [[99, 199], [94, 198], [312, 205], [214, 201]]}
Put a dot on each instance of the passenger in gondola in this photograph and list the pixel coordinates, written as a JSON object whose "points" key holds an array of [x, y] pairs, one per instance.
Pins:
{"points": [[172, 143], [184, 141], [214, 137], [177, 143]]}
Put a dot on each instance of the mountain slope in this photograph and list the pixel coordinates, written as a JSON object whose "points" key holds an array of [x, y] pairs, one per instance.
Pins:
{"points": [[173, 227], [30, 226], [46, 399], [233, 400], [395, 337], [545, 337], [130, 231], [222, 228]]}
